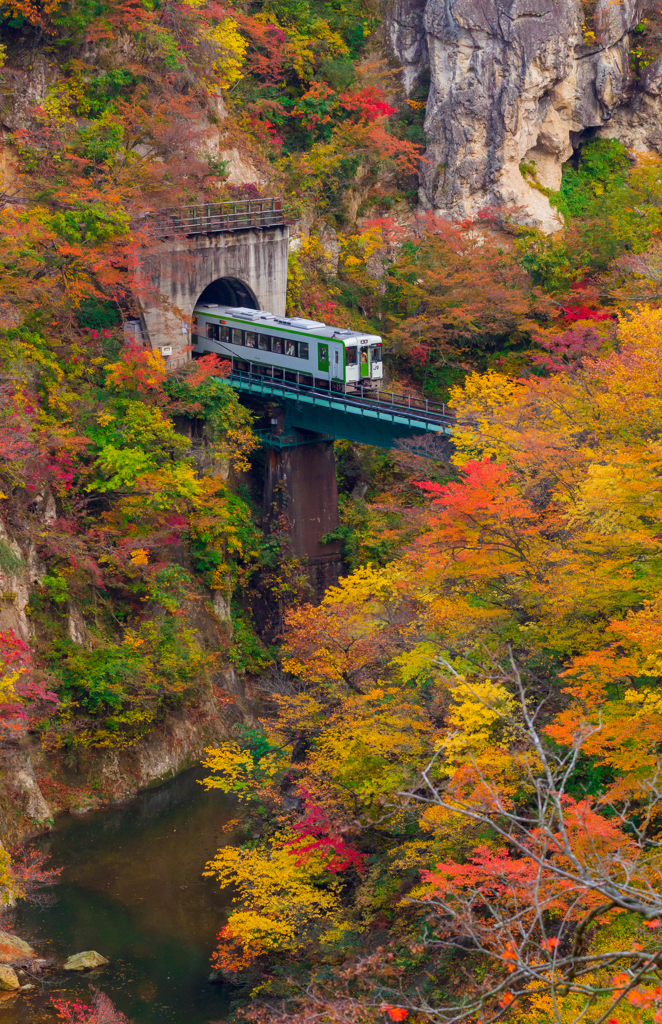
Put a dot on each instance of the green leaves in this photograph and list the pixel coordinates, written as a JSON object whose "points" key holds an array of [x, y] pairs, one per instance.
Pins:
{"points": [[603, 168]]}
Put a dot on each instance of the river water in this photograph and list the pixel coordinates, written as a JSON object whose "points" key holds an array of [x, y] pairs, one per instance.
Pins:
{"points": [[131, 888]]}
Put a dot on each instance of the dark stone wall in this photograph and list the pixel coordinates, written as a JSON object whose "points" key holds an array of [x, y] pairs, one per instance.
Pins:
{"points": [[300, 485]]}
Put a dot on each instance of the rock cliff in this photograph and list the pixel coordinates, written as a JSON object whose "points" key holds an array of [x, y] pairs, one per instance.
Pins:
{"points": [[520, 80], [35, 784]]}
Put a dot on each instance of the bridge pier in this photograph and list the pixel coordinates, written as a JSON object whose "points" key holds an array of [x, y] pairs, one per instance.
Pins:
{"points": [[300, 487]]}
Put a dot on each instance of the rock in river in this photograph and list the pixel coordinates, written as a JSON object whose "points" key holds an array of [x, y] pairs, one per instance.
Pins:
{"points": [[12, 948], [85, 961], [8, 980]]}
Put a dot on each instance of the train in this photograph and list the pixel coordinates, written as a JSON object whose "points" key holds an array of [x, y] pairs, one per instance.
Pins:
{"points": [[290, 349]]}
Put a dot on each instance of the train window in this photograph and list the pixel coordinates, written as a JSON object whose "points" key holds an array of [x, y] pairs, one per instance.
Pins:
{"points": [[237, 336], [351, 356], [277, 346], [376, 353], [226, 333], [277, 373], [212, 331], [264, 342], [303, 350], [251, 339], [290, 347]]}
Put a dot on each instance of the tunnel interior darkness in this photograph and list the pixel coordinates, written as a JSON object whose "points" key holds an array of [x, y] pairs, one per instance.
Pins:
{"points": [[229, 291]]}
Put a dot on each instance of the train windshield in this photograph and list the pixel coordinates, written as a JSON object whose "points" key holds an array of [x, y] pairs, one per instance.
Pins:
{"points": [[376, 351], [351, 355]]}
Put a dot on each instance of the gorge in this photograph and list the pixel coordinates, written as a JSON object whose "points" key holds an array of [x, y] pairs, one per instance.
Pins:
{"points": [[408, 615]]}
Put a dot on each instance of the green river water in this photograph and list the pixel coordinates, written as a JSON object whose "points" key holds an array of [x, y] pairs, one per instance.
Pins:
{"points": [[131, 888]]}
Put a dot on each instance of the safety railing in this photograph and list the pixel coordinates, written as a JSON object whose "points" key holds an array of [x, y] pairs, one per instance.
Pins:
{"points": [[211, 218], [395, 400], [361, 399]]}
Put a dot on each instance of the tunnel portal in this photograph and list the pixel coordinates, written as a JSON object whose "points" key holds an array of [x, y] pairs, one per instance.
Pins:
{"points": [[229, 291]]}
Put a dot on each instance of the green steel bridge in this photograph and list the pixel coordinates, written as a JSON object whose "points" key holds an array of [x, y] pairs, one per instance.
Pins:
{"points": [[365, 415]]}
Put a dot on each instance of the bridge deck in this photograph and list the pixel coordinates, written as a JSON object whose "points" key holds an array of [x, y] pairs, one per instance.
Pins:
{"points": [[367, 405]]}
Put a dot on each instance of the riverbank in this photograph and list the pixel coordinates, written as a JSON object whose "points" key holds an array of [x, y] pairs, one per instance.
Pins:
{"points": [[40, 785], [132, 889]]}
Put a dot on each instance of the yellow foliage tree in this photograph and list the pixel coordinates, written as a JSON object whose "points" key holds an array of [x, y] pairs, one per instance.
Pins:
{"points": [[279, 898]]}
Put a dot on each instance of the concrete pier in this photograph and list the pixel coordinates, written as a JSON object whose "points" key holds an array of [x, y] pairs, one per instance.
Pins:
{"points": [[300, 487]]}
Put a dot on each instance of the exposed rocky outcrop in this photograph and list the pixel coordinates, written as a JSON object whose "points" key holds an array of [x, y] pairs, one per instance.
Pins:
{"points": [[520, 80], [408, 40], [22, 779], [20, 570]]}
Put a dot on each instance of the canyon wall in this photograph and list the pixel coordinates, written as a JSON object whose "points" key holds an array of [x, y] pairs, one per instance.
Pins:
{"points": [[36, 783], [520, 80]]}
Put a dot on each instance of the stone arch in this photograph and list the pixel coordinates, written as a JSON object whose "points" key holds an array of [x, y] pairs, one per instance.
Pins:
{"points": [[229, 291], [180, 270]]}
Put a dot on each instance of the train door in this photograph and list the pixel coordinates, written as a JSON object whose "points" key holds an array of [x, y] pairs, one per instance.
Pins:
{"points": [[364, 361], [337, 367], [323, 358]]}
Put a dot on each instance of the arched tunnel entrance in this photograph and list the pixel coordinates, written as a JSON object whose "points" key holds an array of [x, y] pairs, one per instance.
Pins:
{"points": [[229, 291]]}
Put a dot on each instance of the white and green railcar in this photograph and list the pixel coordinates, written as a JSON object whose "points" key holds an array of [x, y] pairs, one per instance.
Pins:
{"points": [[288, 348]]}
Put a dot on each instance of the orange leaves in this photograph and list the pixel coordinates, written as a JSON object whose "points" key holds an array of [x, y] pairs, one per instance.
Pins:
{"points": [[138, 370], [651, 924], [139, 557], [233, 953], [620, 685], [350, 634], [208, 366], [643, 998], [406, 155], [639, 997], [485, 528], [487, 490], [509, 954], [36, 12], [546, 880], [396, 1012], [461, 287]]}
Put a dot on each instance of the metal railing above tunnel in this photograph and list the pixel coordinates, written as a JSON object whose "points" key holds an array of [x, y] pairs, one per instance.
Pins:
{"points": [[362, 404], [213, 218]]}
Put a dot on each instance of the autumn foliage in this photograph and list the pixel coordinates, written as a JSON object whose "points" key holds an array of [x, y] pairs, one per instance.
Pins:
{"points": [[478, 720]]}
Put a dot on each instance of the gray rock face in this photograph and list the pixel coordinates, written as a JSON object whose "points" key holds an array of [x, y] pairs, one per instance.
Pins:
{"points": [[85, 961], [651, 78], [520, 80], [408, 41]]}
